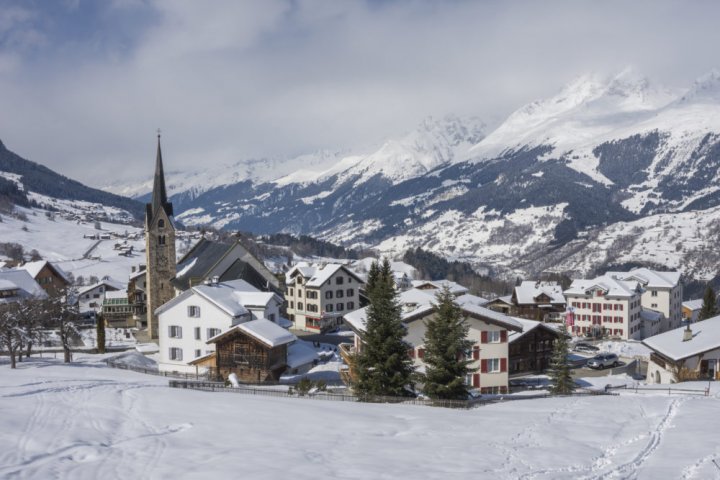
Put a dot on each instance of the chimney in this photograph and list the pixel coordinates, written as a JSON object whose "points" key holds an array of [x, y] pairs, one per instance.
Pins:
{"points": [[132, 269], [215, 279], [687, 334]]}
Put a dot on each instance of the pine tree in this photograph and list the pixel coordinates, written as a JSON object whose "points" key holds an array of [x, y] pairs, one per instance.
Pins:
{"points": [[709, 308], [100, 325], [445, 346], [562, 382], [383, 365]]}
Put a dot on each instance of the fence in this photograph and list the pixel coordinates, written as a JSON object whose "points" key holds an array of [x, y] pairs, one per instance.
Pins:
{"points": [[670, 390], [155, 371]]}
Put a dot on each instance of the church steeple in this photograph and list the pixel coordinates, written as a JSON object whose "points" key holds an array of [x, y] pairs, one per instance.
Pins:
{"points": [[159, 194]]}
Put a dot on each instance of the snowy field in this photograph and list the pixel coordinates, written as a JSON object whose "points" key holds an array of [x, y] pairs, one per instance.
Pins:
{"points": [[86, 421]]}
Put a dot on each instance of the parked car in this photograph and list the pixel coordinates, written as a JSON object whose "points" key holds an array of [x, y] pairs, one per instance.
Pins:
{"points": [[585, 347], [603, 360]]}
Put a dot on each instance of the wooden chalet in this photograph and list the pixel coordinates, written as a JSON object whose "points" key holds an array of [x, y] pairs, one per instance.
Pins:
{"points": [[255, 351], [50, 277], [531, 349]]}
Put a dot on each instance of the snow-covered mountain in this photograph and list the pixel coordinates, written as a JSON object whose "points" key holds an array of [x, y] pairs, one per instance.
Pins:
{"points": [[567, 178]]}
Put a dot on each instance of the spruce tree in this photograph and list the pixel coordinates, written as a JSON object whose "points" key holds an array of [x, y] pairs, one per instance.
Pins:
{"points": [[383, 365], [445, 346], [100, 325], [709, 308], [562, 382]]}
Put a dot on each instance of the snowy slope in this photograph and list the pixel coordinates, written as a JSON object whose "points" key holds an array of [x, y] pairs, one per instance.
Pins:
{"points": [[86, 421]]}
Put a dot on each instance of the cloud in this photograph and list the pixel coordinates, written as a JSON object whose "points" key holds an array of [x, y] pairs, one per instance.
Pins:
{"points": [[228, 80]]}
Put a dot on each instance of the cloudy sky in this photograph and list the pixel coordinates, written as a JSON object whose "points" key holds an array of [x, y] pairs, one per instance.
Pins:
{"points": [[84, 84]]}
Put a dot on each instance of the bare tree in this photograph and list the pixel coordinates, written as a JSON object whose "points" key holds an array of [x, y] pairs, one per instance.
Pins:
{"points": [[62, 316], [13, 335]]}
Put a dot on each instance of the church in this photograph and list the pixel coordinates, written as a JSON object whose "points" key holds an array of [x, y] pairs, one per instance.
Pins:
{"points": [[208, 260]]}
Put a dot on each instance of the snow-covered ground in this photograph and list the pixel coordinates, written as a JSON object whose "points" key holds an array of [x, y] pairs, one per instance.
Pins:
{"points": [[86, 421]]}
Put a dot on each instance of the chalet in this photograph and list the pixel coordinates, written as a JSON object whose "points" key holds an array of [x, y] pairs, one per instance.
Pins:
{"points": [[204, 311], [17, 285], [685, 353], [488, 331], [48, 275], [435, 286], [537, 300], [530, 350], [319, 296], [691, 309], [91, 297], [209, 259], [605, 306], [501, 304]]}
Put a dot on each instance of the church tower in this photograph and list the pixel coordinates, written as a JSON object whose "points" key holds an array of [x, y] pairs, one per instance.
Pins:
{"points": [[159, 247]]}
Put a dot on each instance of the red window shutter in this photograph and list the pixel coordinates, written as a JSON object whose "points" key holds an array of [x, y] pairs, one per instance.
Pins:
{"points": [[476, 380], [483, 337], [503, 336], [421, 353], [483, 366], [503, 364], [621, 307], [476, 353]]}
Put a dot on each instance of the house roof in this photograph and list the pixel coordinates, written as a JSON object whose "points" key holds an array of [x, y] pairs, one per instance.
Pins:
{"points": [[693, 304], [300, 353], [227, 296], [651, 315], [705, 337], [7, 285], [471, 299], [649, 278], [530, 325], [262, 329], [611, 286], [317, 275], [116, 294], [455, 288], [203, 358], [34, 268], [108, 283], [528, 292], [26, 285], [418, 304]]}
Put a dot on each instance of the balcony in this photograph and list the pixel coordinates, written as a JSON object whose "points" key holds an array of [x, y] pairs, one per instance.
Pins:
{"points": [[347, 353]]}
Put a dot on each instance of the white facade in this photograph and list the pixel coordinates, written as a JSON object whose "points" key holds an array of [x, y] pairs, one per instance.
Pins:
{"points": [[319, 297], [663, 293], [91, 297], [188, 321], [606, 306]]}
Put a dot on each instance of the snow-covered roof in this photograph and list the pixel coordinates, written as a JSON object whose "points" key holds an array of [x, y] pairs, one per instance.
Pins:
{"points": [[455, 288], [317, 275], [611, 286], [262, 329], [472, 299], [528, 326], [114, 284], [227, 296], [300, 353], [649, 278], [137, 274], [705, 337], [420, 303], [528, 292], [116, 294], [7, 285], [651, 315], [26, 284], [33, 268], [693, 304]]}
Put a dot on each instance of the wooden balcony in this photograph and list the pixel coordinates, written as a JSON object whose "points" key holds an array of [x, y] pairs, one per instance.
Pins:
{"points": [[347, 353]]}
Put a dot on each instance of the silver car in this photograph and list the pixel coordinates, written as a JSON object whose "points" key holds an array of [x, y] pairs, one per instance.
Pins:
{"points": [[603, 360]]}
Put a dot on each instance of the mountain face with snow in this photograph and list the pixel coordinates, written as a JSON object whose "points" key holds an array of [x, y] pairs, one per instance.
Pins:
{"points": [[565, 183]]}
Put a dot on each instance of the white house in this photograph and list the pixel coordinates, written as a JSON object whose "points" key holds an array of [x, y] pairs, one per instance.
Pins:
{"points": [[488, 333], [91, 297], [605, 305], [202, 312], [694, 350], [662, 292], [319, 296]]}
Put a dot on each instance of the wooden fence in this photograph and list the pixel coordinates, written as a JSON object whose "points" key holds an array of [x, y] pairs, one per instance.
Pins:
{"points": [[669, 390]]}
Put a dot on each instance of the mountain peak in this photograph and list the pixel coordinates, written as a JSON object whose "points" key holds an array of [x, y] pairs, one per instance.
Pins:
{"points": [[706, 87]]}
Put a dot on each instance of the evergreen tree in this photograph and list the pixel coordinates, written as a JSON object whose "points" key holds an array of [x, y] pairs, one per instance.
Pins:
{"points": [[562, 382], [709, 308], [383, 365], [445, 346], [100, 325]]}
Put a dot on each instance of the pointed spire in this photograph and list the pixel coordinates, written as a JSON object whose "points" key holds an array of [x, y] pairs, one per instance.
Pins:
{"points": [[159, 194]]}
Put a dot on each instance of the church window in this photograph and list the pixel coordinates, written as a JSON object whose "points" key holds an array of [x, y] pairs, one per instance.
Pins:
{"points": [[161, 239], [161, 223]]}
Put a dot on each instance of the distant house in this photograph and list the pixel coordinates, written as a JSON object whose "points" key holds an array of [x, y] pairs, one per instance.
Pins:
{"points": [[91, 297], [116, 309], [488, 331], [537, 300], [605, 306], [49, 276], [531, 349], [436, 285], [691, 309], [318, 296], [204, 311], [18, 285], [209, 259], [692, 352], [137, 295]]}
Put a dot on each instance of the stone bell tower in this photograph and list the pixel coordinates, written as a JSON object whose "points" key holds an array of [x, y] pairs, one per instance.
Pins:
{"points": [[159, 247]]}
